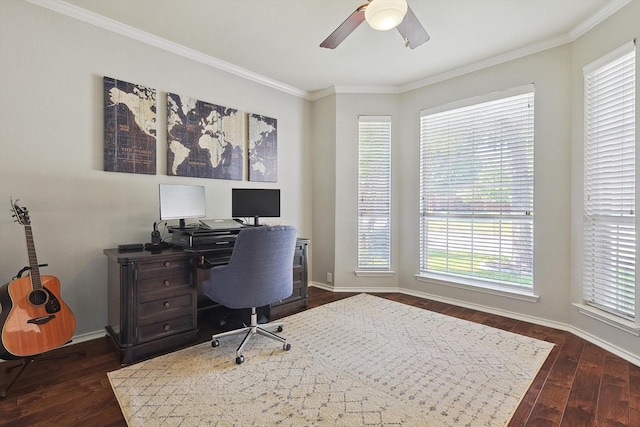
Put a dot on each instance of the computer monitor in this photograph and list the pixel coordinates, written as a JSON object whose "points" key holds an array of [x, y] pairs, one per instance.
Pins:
{"points": [[182, 202], [255, 202]]}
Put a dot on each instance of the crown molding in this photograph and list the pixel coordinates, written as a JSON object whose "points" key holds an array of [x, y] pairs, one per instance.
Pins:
{"points": [[367, 89], [319, 94], [569, 37], [602, 14], [97, 20], [333, 90], [75, 12], [489, 62]]}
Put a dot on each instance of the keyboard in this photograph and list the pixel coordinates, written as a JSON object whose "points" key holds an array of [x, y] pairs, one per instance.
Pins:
{"points": [[221, 224]]}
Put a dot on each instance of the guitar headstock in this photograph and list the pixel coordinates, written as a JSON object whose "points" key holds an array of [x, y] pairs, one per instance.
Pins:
{"points": [[21, 214]]}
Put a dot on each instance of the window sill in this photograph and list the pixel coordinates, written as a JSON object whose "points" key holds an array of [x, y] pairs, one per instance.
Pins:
{"points": [[374, 273], [485, 288], [611, 320]]}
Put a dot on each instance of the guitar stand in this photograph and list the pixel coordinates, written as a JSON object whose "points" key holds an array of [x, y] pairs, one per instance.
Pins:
{"points": [[36, 358]]}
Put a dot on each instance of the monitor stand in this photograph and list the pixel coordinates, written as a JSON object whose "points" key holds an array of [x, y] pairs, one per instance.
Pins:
{"points": [[184, 226]]}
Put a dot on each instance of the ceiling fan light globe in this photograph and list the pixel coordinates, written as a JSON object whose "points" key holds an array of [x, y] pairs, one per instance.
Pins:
{"points": [[384, 15]]}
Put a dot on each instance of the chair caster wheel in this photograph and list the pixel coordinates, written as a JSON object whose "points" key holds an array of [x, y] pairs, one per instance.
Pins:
{"points": [[286, 347], [215, 343], [280, 328], [239, 359]]}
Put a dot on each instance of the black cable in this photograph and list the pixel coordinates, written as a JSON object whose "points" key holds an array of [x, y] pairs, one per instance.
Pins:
{"points": [[27, 268]]}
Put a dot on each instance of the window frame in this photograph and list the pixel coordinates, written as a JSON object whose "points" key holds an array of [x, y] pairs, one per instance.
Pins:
{"points": [[610, 223], [470, 281], [374, 195]]}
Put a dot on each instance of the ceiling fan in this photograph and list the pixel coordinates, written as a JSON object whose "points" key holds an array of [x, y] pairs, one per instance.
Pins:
{"points": [[382, 15]]}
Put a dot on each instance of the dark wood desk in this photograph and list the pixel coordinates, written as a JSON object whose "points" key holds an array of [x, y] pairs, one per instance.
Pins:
{"points": [[154, 301]]}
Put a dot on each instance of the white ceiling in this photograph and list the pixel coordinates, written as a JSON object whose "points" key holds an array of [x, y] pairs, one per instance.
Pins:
{"points": [[278, 40]]}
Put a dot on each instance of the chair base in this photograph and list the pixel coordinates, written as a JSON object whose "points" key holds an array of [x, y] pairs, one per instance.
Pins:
{"points": [[250, 331]]}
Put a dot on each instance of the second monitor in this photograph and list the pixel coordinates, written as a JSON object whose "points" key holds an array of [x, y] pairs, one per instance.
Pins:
{"points": [[255, 202]]}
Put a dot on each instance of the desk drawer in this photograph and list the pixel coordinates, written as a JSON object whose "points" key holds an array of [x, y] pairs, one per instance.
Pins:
{"points": [[156, 268], [179, 322], [148, 307], [166, 282]]}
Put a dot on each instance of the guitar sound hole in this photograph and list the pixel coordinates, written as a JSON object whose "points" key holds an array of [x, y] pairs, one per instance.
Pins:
{"points": [[38, 297]]}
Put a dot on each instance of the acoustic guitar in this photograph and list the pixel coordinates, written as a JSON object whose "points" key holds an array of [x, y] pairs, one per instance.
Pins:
{"points": [[34, 318]]}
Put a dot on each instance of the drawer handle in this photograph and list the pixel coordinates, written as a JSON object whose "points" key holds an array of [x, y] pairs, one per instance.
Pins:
{"points": [[167, 283], [167, 327], [167, 264], [166, 304]]}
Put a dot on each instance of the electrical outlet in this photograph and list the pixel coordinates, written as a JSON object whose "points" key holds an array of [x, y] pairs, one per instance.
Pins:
{"points": [[329, 277]]}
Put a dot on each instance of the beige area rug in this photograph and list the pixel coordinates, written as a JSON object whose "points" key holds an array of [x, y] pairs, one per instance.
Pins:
{"points": [[360, 361]]}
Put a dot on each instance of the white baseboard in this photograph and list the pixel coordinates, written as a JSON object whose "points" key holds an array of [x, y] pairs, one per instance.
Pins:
{"points": [[87, 337], [624, 354], [630, 357], [79, 338]]}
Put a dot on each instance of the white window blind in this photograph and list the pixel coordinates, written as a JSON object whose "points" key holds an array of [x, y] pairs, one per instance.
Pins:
{"points": [[609, 236], [374, 193], [476, 190]]}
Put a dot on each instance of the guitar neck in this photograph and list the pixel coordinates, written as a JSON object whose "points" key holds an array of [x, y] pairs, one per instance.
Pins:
{"points": [[33, 260]]}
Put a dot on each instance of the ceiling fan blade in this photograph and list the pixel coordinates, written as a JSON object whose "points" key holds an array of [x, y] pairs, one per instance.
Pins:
{"points": [[412, 30], [346, 28]]}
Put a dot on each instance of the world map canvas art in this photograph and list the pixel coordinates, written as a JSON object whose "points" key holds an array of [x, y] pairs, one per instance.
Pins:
{"points": [[263, 148], [204, 140], [129, 127]]}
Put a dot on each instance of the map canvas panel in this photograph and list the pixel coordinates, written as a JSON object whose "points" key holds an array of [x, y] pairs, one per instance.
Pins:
{"points": [[263, 148], [129, 127], [204, 140]]}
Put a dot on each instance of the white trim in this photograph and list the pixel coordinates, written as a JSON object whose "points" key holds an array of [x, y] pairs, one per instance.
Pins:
{"points": [[373, 119], [624, 354], [605, 12], [92, 18], [611, 320], [373, 273], [621, 51], [481, 287], [334, 90], [493, 96], [489, 62], [620, 352], [88, 336], [319, 94], [133, 33], [322, 286], [367, 89], [77, 339]]}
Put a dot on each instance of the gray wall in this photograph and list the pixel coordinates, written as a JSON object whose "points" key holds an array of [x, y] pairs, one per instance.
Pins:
{"points": [[323, 188], [619, 29], [51, 69], [51, 147], [550, 71], [557, 75]]}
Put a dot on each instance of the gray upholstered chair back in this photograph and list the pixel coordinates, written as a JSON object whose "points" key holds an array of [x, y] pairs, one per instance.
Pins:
{"points": [[259, 272]]}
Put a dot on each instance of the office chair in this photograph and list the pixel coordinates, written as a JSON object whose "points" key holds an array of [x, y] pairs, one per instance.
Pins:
{"points": [[258, 274]]}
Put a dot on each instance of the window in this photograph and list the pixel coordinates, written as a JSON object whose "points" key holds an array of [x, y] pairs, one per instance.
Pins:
{"points": [[476, 191], [374, 193], [609, 236]]}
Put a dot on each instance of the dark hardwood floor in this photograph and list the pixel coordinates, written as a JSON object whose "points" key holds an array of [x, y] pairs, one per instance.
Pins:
{"points": [[579, 384]]}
